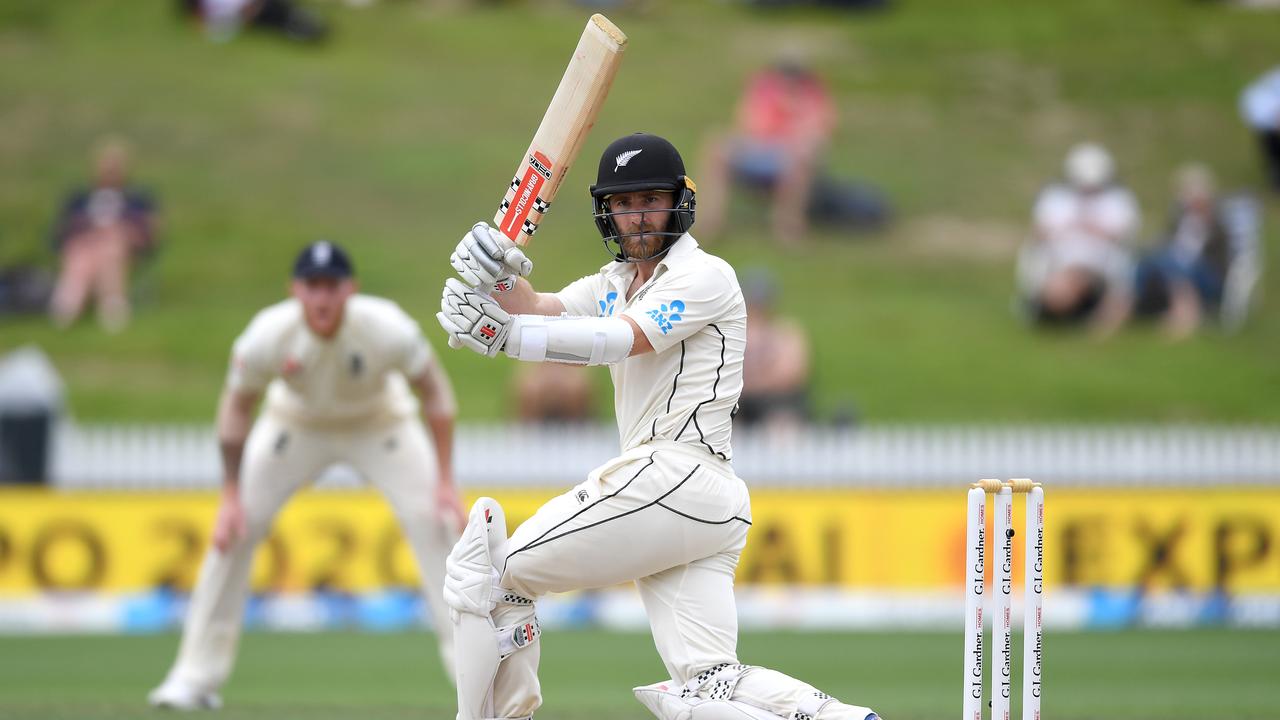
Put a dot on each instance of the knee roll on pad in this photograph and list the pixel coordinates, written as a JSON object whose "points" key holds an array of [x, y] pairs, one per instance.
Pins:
{"points": [[475, 563], [713, 695]]}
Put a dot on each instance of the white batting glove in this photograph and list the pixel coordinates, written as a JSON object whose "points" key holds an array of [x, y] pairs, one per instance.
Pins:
{"points": [[473, 319], [485, 258]]}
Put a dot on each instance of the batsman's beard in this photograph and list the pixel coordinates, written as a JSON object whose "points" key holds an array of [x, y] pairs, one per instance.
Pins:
{"points": [[641, 246]]}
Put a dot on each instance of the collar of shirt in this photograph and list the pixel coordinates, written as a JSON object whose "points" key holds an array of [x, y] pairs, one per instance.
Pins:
{"points": [[684, 246]]}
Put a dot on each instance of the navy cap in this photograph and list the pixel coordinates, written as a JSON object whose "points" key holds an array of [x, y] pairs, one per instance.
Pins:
{"points": [[322, 259]]}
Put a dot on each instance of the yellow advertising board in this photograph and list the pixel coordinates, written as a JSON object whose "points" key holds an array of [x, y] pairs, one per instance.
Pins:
{"points": [[1198, 539]]}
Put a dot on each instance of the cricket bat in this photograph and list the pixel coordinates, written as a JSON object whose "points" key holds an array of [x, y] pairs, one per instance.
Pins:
{"points": [[565, 125]]}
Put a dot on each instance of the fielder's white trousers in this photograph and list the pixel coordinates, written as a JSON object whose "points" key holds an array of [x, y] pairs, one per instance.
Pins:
{"points": [[670, 517], [281, 457]]}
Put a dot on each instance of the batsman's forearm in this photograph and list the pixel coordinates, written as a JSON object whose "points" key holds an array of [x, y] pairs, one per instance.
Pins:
{"points": [[574, 340], [524, 300]]}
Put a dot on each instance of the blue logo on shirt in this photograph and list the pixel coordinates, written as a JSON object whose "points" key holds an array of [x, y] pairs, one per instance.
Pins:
{"points": [[606, 305], [667, 315]]}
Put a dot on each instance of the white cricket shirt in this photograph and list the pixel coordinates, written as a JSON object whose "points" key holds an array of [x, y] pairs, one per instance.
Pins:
{"points": [[357, 376], [693, 313]]}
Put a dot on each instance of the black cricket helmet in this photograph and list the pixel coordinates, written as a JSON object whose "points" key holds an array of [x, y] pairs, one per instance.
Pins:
{"points": [[641, 162]]}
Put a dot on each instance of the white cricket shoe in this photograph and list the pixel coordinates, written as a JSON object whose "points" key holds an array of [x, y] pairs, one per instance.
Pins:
{"points": [[179, 696]]}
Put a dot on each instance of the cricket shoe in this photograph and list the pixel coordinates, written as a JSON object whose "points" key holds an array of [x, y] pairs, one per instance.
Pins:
{"points": [[180, 696]]}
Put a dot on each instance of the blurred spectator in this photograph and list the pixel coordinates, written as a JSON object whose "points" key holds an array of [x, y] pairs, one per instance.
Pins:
{"points": [[784, 120], [1184, 277], [1209, 262], [1078, 265], [1260, 105], [553, 392], [223, 19], [775, 368], [99, 232]]}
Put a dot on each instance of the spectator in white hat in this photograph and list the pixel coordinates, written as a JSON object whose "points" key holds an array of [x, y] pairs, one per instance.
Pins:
{"points": [[1078, 265]]}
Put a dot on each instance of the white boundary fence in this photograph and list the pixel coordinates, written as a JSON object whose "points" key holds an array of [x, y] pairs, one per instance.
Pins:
{"points": [[185, 456]]}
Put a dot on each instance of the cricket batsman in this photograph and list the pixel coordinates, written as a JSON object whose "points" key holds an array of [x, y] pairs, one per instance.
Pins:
{"points": [[340, 371], [669, 513]]}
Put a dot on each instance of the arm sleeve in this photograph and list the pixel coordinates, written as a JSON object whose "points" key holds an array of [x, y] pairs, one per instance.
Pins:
{"points": [[585, 297], [251, 359], [682, 303], [415, 353]]}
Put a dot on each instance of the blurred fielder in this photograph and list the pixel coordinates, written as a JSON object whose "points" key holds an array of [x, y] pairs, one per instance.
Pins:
{"points": [[669, 513], [337, 369]]}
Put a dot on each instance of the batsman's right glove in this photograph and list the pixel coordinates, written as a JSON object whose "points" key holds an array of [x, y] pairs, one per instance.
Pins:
{"points": [[473, 319]]}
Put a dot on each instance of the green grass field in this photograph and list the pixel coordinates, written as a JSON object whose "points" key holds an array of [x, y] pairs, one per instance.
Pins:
{"points": [[402, 131], [905, 676]]}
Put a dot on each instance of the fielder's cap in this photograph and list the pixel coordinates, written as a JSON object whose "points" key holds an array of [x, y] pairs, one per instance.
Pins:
{"points": [[322, 259], [638, 162]]}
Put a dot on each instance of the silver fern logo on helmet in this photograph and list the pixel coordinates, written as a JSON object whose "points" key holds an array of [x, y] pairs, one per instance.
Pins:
{"points": [[625, 158]]}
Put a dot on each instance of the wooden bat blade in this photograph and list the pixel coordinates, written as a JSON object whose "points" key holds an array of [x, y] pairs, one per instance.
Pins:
{"points": [[568, 119]]}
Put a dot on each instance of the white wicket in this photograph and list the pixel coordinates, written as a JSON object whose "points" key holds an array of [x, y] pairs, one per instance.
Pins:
{"points": [[1002, 590], [974, 557], [1002, 620], [1033, 602]]}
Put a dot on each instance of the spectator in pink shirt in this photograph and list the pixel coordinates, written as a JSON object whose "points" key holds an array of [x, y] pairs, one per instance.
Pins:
{"points": [[784, 119]]}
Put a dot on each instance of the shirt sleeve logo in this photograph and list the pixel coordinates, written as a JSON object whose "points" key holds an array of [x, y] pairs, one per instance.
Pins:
{"points": [[667, 316], [606, 305]]}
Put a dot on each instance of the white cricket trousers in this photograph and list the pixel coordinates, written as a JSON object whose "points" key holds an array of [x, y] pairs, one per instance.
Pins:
{"points": [[668, 516], [281, 457]]}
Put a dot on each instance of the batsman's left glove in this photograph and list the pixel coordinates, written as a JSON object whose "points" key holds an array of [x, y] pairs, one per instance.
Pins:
{"points": [[488, 260]]}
